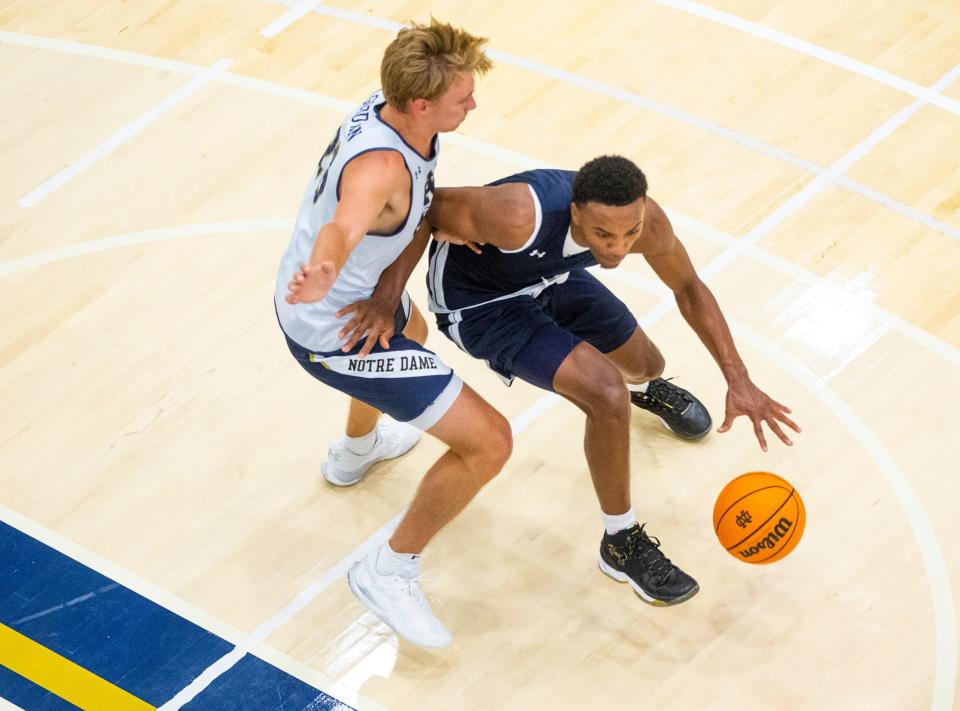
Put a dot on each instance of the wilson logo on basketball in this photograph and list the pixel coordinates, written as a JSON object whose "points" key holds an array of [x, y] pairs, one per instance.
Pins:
{"points": [[769, 542]]}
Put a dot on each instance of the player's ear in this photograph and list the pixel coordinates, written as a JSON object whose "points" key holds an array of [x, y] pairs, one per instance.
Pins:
{"points": [[419, 107], [574, 214]]}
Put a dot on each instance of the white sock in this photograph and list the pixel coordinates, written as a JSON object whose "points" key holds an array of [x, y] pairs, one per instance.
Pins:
{"points": [[615, 524], [638, 387], [390, 562], [363, 444]]}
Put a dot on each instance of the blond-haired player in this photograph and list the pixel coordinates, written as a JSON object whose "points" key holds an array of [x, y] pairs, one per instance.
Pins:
{"points": [[371, 190]]}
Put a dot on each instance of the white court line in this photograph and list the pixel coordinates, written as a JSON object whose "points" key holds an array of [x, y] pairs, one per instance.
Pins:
{"points": [[877, 313], [226, 662], [590, 85], [829, 176], [905, 328], [812, 50], [926, 538], [908, 211], [675, 114], [123, 135], [315, 99], [938, 575], [892, 321], [259, 635], [118, 574], [155, 235], [921, 528], [289, 17], [945, 345], [522, 421], [164, 599]]}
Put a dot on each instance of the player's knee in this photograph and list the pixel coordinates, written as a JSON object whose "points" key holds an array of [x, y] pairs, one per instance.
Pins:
{"points": [[649, 367], [493, 448], [608, 395], [655, 365]]}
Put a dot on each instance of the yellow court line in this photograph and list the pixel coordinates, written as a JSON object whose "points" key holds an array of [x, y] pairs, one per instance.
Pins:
{"points": [[60, 676]]}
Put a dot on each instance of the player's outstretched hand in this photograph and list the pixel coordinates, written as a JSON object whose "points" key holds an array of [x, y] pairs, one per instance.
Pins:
{"points": [[745, 398], [441, 236], [311, 283], [371, 318]]}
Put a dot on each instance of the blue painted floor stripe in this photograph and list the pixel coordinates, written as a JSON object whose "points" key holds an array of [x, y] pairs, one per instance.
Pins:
{"points": [[124, 638], [254, 684], [27, 695]]}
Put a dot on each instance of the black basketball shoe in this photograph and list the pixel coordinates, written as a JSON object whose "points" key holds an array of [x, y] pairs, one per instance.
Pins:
{"points": [[631, 556], [680, 411]]}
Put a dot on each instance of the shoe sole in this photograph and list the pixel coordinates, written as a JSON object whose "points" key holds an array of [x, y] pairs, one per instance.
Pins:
{"points": [[656, 602], [333, 479], [359, 473], [681, 435], [370, 605]]}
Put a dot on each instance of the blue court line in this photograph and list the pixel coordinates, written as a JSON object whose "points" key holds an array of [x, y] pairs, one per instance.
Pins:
{"points": [[124, 638]]}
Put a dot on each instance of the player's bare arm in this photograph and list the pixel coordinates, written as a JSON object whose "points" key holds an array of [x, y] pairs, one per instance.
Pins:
{"points": [[373, 318], [669, 259], [375, 197], [499, 215]]}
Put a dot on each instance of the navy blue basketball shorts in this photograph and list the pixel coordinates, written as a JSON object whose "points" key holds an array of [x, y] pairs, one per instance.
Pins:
{"points": [[406, 381], [529, 337]]}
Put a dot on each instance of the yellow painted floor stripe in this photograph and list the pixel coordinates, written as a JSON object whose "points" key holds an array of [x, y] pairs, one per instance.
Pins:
{"points": [[60, 676]]}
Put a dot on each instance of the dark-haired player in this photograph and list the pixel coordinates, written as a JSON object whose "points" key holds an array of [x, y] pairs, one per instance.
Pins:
{"points": [[525, 303]]}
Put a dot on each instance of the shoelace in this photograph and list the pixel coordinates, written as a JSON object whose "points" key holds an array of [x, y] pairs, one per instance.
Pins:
{"points": [[665, 396], [411, 588], [647, 550]]}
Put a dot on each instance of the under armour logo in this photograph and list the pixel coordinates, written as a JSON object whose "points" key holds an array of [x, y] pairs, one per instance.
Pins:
{"points": [[538, 255], [617, 554], [744, 518]]}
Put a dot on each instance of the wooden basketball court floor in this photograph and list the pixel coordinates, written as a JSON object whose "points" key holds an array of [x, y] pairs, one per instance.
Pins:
{"points": [[155, 430]]}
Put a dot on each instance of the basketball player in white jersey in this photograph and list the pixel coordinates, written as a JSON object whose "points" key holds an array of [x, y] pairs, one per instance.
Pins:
{"points": [[373, 186]]}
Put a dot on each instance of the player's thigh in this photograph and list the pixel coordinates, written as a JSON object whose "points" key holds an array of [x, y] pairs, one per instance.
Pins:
{"points": [[501, 333], [591, 312], [406, 381], [471, 425]]}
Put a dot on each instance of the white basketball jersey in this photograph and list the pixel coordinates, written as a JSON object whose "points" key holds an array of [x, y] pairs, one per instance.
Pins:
{"points": [[315, 326]]}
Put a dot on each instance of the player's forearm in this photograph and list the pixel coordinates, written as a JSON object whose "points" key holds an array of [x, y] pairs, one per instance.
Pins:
{"points": [[701, 311], [333, 244], [394, 278]]}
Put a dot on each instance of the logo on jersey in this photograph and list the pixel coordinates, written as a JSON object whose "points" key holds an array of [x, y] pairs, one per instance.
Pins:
{"points": [[388, 364], [538, 254], [428, 189]]}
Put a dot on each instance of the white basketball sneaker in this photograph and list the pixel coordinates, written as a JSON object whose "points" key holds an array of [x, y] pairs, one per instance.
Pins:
{"points": [[345, 468], [399, 602]]}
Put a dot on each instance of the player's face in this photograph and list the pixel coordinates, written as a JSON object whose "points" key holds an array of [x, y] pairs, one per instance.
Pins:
{"points": [[609, 231], [449, 111]]}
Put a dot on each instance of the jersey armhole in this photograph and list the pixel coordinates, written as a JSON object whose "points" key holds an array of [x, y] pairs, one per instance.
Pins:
{"points": [[406, 165], [537, 221]]}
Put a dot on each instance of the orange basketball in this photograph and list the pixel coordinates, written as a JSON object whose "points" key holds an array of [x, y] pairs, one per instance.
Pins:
{"points": [[759, 517]]}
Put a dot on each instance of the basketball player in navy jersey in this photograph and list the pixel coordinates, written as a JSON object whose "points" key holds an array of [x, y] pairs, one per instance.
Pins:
{"points": [[524, 302], [373, 186]]}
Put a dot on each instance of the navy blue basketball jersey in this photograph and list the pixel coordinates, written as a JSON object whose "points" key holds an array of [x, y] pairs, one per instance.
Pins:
{"points": [[459, 278]]}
